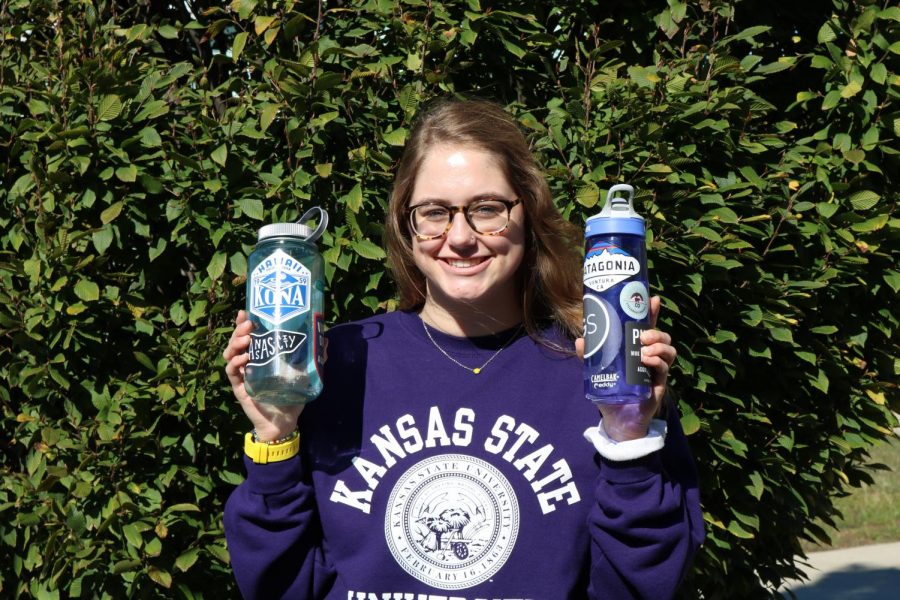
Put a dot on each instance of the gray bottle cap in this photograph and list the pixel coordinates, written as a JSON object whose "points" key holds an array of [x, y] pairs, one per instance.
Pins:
{"points": [[284, 229], [617, 216]]}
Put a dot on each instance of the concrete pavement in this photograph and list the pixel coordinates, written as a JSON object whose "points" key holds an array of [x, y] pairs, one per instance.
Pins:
{"points": [[861, 573]]}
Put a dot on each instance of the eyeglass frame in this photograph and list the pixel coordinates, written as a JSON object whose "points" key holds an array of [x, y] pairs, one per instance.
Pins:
{"points": [[453, 210]]}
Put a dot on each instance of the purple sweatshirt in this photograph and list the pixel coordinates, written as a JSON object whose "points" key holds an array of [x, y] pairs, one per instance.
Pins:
{"points": [[420, 480]]}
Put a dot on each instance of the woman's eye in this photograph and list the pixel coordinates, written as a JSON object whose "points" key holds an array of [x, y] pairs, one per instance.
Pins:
{"points": [[434, 213], [486, 210]]}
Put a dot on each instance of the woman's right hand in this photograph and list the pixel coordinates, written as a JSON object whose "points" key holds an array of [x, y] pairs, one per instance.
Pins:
{"points": [[271, 422]]}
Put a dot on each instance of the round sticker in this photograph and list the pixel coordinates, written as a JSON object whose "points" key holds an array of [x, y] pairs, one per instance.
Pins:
{"points": [[635, 300], [596, 324]]}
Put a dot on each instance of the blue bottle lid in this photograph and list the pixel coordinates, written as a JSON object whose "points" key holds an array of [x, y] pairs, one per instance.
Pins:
{"points": [[617, 216], [298, 229]]}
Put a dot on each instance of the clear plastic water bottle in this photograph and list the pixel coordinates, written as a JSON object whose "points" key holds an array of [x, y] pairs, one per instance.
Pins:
{"points": [[616, 302], [285, 302]]}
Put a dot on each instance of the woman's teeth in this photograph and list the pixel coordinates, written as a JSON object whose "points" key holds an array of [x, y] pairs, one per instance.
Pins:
{"points": [[462, 264]]}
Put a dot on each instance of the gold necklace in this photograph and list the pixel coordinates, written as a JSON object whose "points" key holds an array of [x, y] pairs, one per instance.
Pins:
{"points": [[476, 370]]}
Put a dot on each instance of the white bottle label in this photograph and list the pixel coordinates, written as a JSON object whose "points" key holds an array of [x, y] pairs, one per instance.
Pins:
{"points": [[279, 288], [606, 265]]}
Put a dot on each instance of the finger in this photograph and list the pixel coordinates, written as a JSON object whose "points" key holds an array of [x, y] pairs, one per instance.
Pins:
{"points": [[234, 368], [659, 368], [655, 304], [666, 352], [241, 317], [238, 344], [243, 328], [579, 347], [655, 336]]}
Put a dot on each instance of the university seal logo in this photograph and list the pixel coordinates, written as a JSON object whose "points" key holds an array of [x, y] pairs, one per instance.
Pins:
{"points": [[452, 521]]}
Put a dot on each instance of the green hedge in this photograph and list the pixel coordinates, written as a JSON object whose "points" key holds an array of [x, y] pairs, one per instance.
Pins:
{"points": [[142, 143]]}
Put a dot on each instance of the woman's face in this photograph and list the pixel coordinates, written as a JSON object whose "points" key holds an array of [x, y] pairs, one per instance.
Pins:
{"points": [[464, 267]]}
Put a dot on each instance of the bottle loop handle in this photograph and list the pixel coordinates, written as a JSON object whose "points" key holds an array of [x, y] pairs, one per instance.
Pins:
{"points": [[323, 222], [615, 202]]}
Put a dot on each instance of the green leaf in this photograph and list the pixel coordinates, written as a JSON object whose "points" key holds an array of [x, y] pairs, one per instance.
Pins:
{"points": [[217, 265], [168, 32], [267, 115], [832, 99], [782, 334], [240, 40], [735, 529], [252, 207], [102, 238], [37, 107], [723, 336], [153, 547], [367, 249], [132, 534], [851, 89], [238, 264], [892, 278], [821, 382], [690, 423], [160, 576], [220, 155], [756, 487], [324, 119], [864, 199], [127, 174], [187, 559], [826, 33], [854, 156], [588, 194], [124, 566], [150, 138], [873, 224], [110, 214], [22, 186], [750, 175], [87, 290], [824, 329], [826, 209], [396, 137], [260, 24], [724, 214], [807, 356], [354, 198], [109, 108]]}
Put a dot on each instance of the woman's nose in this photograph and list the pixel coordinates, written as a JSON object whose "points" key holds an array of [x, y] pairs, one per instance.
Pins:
{"points": [[460, 232]]}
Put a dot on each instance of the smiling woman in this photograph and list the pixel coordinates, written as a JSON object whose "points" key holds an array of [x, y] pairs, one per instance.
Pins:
{"points": [[424, 478]]}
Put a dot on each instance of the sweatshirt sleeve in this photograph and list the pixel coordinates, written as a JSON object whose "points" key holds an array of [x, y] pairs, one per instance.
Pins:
{"points": [[274, 534], [646, 523]]}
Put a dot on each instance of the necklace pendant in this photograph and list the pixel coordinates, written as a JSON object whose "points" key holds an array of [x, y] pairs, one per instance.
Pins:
{"points": [[476, 370]]}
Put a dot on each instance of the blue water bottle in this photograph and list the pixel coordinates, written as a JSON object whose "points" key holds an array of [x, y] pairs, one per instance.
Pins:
{"points": [[285, 302], [616, 302]]}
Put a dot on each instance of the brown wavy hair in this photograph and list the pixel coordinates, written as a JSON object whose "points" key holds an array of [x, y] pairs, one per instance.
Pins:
{"points": [[549, 278]]}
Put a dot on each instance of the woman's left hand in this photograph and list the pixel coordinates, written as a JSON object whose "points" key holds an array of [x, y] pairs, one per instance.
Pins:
{"points": [[632, 421]]}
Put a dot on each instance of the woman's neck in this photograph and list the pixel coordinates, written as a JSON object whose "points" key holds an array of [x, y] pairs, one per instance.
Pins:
{"points": [[469, 320]]}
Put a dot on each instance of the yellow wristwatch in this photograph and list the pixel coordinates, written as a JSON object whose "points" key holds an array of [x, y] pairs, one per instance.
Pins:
{"points": [[263, 453]]}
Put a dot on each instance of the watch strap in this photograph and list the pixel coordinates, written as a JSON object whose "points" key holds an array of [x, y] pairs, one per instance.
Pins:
{"points": [[262, 453]]}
